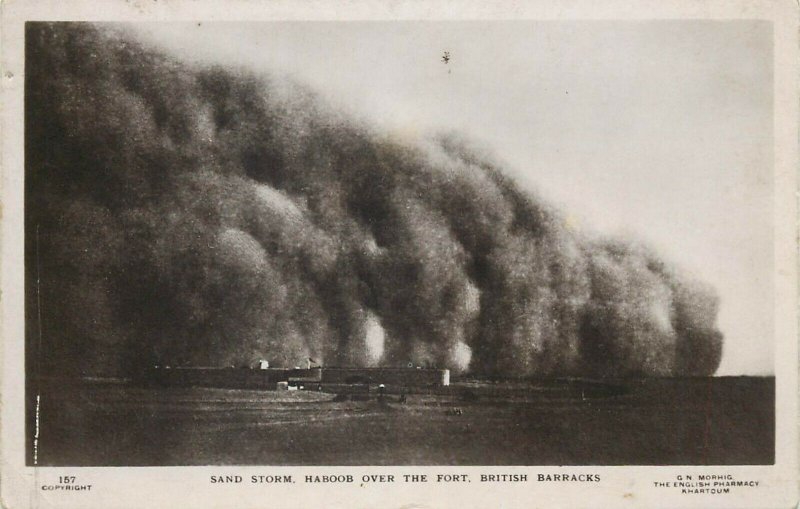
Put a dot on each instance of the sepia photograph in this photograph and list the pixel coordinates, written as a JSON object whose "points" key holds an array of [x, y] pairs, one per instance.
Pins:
{"points": [[407, 254], [399, 243]]}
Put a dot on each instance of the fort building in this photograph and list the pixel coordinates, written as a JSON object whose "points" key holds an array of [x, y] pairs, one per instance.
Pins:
{"points": [[313, 378]]}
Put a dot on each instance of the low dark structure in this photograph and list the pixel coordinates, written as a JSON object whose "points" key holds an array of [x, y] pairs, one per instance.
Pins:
{"points": [[388, 376], [311, 378], [233, 378]]}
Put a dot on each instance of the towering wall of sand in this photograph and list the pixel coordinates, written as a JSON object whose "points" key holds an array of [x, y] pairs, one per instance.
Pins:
{"points": [[205, 216]]}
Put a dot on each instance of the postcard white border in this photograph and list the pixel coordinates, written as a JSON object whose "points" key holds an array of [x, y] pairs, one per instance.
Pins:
{"points": [[189, 486]]}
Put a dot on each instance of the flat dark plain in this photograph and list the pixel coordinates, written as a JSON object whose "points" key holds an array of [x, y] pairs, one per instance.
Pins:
{"points": [[668, 421]]}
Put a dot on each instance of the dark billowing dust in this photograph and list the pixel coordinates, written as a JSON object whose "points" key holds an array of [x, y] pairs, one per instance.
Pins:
{"points": [[186, 215]]}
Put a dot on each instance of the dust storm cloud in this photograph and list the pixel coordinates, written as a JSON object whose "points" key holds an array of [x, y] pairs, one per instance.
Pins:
{"points": [[181, 214]]}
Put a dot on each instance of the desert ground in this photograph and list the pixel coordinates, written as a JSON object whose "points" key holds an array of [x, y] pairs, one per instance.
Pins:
{"points": [[699, 421]]}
